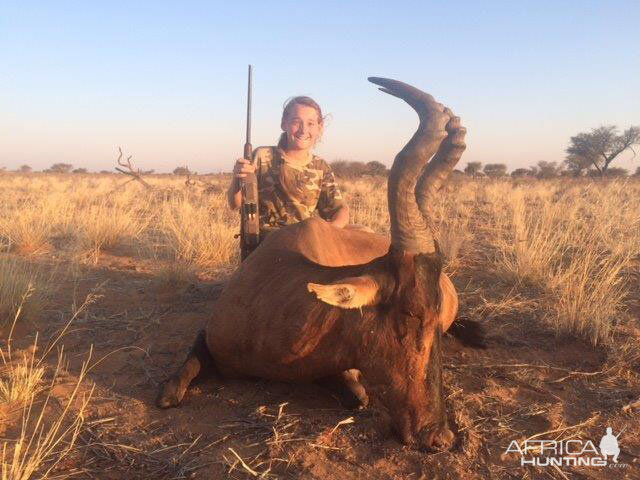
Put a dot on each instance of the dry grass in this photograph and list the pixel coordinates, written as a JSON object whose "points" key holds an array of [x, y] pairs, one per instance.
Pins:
{"points": [[26, 230], [18, 276], [199, 235], [40, 444], [569, 247], [103, 226], [561, 254], [176, 461], [85, 216]]}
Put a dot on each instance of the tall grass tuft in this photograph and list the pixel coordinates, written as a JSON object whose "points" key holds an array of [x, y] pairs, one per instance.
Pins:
{"points": [[199, 236], [41, 444], [28, 228], [568, 248], [572, 247], [103, 226], [16, 277]]}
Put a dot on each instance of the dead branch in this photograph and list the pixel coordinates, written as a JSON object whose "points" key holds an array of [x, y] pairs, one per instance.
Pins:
{"points": [[206, 186], [136, 174], [244, 465], [161, 194], [190, 182]]}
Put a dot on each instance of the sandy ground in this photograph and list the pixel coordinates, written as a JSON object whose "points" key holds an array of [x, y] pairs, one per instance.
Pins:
{"points": [[246, 429]]}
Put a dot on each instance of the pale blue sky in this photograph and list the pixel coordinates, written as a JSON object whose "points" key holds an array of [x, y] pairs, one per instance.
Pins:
{"points": [[167, 80]]}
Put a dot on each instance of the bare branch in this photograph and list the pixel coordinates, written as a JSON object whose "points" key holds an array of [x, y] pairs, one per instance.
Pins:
{"points": [[189, 182], [136, 174]]}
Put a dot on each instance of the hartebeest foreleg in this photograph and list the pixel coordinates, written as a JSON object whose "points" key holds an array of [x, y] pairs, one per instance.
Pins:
{"points": [[347, 386], [198, 359]]}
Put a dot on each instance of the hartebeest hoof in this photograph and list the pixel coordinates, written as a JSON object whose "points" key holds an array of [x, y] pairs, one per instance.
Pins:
{"points": [[199, 358], [170, 394], [355, 391], [438, 439], [350, 400], [347, 387]]}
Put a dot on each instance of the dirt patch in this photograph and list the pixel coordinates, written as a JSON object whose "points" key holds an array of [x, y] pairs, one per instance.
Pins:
{"points": [[526, 382]]}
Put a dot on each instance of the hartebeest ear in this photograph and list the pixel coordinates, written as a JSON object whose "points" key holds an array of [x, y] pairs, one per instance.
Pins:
{"points": [[350, 292]]}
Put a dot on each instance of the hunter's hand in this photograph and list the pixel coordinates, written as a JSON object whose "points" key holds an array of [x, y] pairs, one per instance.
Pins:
{"points": [[242, 167]]}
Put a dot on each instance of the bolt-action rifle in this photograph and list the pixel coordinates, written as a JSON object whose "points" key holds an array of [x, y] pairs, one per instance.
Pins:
{"points": [[249, 218]]}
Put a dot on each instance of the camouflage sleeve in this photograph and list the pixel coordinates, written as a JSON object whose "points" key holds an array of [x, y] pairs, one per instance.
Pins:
{"points": [[262, 157], [258, 159], [330, 197]]}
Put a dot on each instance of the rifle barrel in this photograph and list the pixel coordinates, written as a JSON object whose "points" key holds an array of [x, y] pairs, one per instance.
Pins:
{"points": [[249, 88]]}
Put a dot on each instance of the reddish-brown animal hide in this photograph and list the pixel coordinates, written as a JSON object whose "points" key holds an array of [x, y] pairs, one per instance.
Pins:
{"points": [[314, 301]]}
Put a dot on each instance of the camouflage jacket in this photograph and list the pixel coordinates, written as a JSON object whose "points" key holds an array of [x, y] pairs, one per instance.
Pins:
{"points": [[289, 193]]}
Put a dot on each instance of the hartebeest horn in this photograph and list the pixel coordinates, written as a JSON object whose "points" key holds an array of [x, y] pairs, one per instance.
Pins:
{"points": [[441, 165], [410, 232]]}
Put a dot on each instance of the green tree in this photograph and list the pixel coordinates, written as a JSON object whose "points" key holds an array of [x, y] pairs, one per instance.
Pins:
{"points": [[376, 168], [182, 171], [599, 147], [495, 170], [60, 168], [547, 170], [521, 172], [473, 168], [339, 167], [576, 165], [349, 168]]}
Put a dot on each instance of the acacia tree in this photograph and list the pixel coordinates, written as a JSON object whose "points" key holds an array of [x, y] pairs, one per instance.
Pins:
{"points": [[576, 165], [495, 170], [25, 169], [547, 169], [600, 147], [521, 172], [181, 170], [60, 168], [352, 169], [473, 168], [376, 168]]}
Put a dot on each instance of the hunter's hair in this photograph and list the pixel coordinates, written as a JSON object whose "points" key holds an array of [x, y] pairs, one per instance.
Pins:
{"points": [[288, 108]]}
